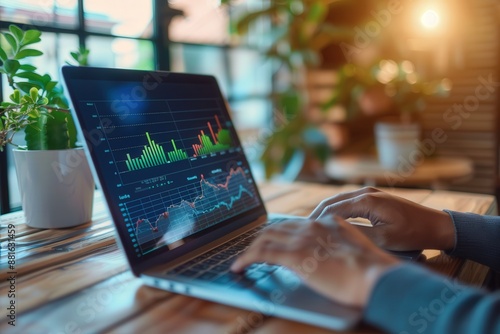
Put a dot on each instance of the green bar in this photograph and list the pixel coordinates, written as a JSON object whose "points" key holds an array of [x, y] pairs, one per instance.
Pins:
{"points": [[162, 155], [128, 162], [143, 157], [157, 154], [147, 157], [152, 157]]}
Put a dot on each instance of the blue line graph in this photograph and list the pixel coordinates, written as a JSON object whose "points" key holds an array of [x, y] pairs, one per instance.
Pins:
{"points": [[155, 223]]}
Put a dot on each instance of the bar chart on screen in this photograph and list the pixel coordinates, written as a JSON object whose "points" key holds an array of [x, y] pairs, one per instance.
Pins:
{"points": [[159, 148], [154, 155]]}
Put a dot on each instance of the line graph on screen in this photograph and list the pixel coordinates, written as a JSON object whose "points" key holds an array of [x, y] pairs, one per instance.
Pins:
{"points": [[204, 204]]}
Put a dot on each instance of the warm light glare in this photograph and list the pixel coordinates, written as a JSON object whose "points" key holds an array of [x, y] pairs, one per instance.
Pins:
{"points": [[430, 19]]}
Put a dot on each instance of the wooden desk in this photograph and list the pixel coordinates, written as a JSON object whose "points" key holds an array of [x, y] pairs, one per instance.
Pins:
{"points": [[435, 173], [78, 282]]}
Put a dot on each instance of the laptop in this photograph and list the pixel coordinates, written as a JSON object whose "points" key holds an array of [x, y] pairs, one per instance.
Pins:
{"points": [[180, 192]]}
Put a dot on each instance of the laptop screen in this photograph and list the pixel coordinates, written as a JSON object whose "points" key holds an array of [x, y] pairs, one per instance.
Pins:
{"points": [[165, 152]]}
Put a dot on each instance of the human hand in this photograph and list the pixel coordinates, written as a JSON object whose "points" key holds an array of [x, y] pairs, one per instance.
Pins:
{"points": [[330, 255], [398, 224]]}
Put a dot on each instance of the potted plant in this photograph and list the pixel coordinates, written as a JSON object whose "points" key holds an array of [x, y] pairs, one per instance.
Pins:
{"points": [[398, 88], [53, 174], [300, 31]]}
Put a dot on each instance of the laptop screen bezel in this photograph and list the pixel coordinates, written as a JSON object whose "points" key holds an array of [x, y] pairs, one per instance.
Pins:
{"points": [[163, 254]]}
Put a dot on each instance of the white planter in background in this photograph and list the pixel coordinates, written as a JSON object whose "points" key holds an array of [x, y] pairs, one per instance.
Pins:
{"points": [[396, 142], [56, 186]]}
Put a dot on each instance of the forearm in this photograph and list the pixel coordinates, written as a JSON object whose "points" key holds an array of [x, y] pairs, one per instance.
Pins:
{"points": [[410, 299], [477, 238]]}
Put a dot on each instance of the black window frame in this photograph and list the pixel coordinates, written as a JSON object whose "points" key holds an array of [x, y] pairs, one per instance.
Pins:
{"points": [[162, 15]]}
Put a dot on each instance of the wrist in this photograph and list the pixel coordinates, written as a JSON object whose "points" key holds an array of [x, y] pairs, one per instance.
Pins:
{"points": [[375, 273], [445, 231]]}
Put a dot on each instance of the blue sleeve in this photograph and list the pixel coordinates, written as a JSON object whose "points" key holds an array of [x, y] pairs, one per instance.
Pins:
{"points": [[410, 299], [477, 238]]}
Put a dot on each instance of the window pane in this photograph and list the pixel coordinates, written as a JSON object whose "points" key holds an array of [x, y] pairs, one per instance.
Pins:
{"points": [[201, 60], [132, 18], [120, 52], [260, 35], [204, 22], [252, 119], [251, 113], [56, 50], [39, 13], [250, 73]]}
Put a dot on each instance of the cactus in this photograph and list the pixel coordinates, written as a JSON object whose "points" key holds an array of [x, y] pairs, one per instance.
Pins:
{"points": [[37, 104]]}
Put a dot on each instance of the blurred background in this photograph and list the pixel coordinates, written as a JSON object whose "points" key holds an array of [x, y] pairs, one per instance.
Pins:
{"points": [[389, 93]]}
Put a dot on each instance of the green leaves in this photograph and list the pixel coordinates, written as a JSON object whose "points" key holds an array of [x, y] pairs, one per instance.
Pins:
{"points": [[16, 31], [27, 67], [3, 55], [18, 41], [12, 41], [15, 97], [37, 104], [34, 94], [11, 66], [81, 57], [31, 37], [29, 75], [28, 53], [26, 86]]}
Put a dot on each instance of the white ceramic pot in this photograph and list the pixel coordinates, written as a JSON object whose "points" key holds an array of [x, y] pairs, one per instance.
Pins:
{"points": [[396, 142], [56, 186]]}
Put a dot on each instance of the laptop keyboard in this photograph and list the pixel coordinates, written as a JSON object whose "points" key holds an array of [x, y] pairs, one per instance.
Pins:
{"points": [[214, 265]]}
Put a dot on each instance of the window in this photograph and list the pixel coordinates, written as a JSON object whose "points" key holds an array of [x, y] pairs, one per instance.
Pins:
{"points": [[194, 38], [123, 38]]}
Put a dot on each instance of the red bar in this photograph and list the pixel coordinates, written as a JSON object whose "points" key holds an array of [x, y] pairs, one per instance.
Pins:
{"points": [[218, 122], [212, 132]]}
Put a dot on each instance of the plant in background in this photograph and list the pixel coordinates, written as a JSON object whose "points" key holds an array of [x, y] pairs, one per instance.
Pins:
{"points": [[300, 31], [385, 87], [37, 104]]}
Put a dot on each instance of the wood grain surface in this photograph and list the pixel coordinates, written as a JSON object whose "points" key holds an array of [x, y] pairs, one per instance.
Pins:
{"points": [[77, 280]]}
